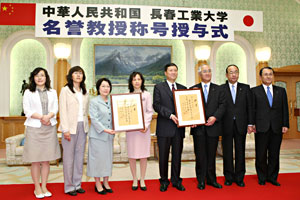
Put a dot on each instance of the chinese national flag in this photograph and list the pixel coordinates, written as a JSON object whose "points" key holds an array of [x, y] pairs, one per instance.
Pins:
{"points": [[17, 14]]}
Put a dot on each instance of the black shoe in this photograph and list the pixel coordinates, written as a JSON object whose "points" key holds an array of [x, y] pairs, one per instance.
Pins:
{"points": [[107, 190], [215, 184], [228, 183], [135, 187], [273, 182], [72, 193], [201, 186], [163, 187], [80, 191], [144, 188], [240, 183], [179, 187], [261, 182], [101, 192]]}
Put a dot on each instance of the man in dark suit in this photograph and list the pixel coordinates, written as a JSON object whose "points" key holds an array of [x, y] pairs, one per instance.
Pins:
{"points": [[271, 120], [206, 136], [166, 130], [237, 121]]}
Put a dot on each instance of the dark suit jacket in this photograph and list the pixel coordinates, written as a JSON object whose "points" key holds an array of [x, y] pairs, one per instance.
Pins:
{"points": [[163, 104], [215, 106], [241, 110], [265, 116]]}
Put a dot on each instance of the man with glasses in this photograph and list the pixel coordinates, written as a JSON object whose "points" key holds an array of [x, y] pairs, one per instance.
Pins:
{"points": [[271, 120], [206, 136], [237, 121]]}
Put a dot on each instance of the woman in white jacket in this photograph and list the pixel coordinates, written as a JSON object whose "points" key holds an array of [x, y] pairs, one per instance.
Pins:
{"points": [[40, 106]]}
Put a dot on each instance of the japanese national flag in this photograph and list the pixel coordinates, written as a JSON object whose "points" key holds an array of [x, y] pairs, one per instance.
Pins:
{"points": [[243, 20]]}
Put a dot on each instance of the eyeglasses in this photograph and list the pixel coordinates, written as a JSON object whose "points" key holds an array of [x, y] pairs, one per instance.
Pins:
{"points": [[206, 71], [234, 72]]}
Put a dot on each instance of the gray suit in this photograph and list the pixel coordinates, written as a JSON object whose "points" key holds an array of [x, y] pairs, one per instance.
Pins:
{"points": [[100, 150]]}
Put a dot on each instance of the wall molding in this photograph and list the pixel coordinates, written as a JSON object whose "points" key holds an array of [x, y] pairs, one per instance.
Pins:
{"points": [[250, 58], [190, 62], [5, 57], [75, 52]]}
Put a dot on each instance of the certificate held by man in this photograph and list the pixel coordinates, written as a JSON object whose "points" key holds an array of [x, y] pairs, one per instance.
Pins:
{"points": [[189, 107], [127, 112]]}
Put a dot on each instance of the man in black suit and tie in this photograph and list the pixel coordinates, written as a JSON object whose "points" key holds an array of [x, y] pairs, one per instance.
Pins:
{"points": [[237, 121], [206, 136], [168, 134], [271, 120]]}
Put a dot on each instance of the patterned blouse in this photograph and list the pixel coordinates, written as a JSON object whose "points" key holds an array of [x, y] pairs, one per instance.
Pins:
{"points": [[44, 100]]}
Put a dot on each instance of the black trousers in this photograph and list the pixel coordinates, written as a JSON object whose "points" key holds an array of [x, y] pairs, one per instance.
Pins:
{"points": [[205, 149], [267, 150], [234, 171], [164, 145]]}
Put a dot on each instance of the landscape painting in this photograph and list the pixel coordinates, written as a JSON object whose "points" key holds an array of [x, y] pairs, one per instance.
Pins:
{"points": [[117, 62]]}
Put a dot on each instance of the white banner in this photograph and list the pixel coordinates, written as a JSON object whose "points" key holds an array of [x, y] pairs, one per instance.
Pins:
{"points": [[134, 21]]}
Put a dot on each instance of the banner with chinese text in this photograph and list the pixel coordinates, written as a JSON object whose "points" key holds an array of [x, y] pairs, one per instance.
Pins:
{"points": [[134, 21]]}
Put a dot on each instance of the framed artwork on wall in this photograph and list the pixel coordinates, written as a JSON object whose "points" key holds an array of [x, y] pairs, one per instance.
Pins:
{"points": [[117, 62]]}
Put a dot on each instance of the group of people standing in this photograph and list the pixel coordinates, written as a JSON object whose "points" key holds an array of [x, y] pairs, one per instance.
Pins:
{"points": [[40, 104], [231, 110]]}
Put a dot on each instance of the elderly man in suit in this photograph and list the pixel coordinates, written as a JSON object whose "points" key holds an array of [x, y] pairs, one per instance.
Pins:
{"points": [[206, 136], [237, 121], [271, 120], [168, 134]]}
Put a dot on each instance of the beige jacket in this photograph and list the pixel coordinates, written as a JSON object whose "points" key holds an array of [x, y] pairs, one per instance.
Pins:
{"points": [[68, 111]]}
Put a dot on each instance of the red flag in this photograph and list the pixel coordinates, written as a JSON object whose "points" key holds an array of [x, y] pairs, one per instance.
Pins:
{"points": [[17, 14]]}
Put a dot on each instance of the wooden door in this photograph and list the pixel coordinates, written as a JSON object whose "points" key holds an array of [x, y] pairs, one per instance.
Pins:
{"points": [[289, 78]]}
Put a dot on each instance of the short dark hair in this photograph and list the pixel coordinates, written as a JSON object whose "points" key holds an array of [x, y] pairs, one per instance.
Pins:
{"points": [[32, 84], [132, 75], [262, 69], [169, 65], [230, 66], [70, 80], [99, 83]]}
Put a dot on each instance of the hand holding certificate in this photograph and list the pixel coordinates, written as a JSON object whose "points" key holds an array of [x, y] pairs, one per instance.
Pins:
{"points": [[189, 107], [127, 112]]}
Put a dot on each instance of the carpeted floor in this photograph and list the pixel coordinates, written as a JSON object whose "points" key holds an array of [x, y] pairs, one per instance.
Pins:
{"points": [[289, 163], [289, 190]]}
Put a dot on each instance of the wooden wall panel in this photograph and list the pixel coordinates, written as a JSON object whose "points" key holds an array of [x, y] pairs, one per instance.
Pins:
{"points": [[10, 126], [14, 125]]}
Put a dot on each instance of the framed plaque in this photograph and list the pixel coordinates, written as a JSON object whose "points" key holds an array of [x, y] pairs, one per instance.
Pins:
{"points": [[189, 107], [127, 112]]}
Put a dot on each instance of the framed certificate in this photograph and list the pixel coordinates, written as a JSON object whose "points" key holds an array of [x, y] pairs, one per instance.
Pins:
{"points": [[127, 112], [189, 107]]}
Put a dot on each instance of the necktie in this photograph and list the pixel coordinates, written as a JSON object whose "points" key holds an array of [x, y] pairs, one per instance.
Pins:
{"points": [[205, 93], [269, 95], [233, 94], [173, 88]]}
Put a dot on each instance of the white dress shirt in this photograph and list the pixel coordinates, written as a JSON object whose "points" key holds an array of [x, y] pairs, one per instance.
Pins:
{"points": [[207, 88], [266, 89], [170, 85], [235, 86], [80, 100]]}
